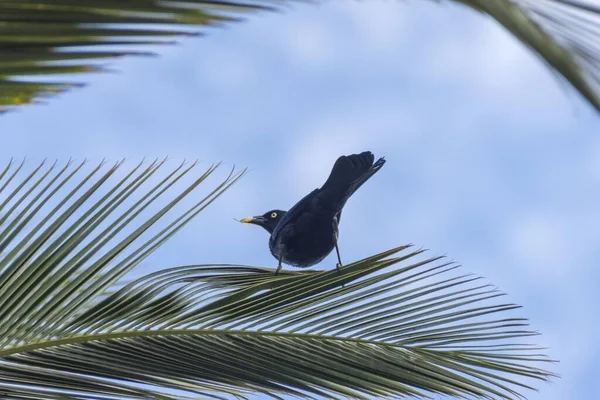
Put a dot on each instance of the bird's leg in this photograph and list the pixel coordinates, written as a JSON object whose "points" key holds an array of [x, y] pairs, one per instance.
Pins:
{"points": [[278, 265], [339, 264]]}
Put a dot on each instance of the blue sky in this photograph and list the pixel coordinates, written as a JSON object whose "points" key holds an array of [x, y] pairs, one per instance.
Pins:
{"points": [[491, 158]]}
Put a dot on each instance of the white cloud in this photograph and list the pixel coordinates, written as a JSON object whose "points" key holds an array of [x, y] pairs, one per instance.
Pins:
{"points": [[539, 244], [310, 43], [489, 64], [501, 62], [593, 162], [320, 148], [380, 25], [374, 128], [227, 70], [329, 35]]}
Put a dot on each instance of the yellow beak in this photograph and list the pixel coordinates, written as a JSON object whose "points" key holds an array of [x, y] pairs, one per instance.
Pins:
{"points": [[248, 220]]}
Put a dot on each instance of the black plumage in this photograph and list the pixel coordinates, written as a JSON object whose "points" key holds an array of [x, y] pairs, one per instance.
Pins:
{"points": [[308, 232]]}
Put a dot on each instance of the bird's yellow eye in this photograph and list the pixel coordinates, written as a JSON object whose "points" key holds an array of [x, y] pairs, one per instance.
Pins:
{"points": [[274, 215]]}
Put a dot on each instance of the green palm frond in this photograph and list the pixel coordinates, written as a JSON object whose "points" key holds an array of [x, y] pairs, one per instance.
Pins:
{"points": [[392, 325], [67, 236], [49, 37]]}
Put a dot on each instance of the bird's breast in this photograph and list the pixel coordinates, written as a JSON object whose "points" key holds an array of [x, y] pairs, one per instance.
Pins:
{"points": [[305, 242]]}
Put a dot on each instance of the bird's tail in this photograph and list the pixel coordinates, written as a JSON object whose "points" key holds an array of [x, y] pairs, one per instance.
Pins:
{"points": [[348, 174]]}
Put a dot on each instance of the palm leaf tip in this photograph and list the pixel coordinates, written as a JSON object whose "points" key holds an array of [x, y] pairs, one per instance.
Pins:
{"points": [[59, 37], [392, 325]]}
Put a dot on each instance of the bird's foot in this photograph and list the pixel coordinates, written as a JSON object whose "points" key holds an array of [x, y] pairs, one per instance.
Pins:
{"points": [[277, 270]]}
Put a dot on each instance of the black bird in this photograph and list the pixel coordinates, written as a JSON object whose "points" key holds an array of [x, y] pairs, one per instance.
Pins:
{"points": [[308, 232]]}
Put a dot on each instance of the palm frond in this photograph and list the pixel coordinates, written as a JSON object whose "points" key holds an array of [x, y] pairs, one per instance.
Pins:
{"points": [[392, 325], [49, 37], [66, 236]]}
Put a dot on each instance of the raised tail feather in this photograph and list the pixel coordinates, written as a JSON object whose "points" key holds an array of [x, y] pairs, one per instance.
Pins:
{"points": [[347, 175]]}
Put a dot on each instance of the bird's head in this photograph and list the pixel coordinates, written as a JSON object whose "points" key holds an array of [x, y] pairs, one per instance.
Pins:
{"points": [[268, 220]]}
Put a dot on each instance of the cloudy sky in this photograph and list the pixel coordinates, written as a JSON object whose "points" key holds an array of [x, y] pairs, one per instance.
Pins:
{"points": [[491, 158]]}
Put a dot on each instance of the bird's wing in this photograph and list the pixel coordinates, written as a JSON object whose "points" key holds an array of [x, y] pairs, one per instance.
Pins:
{"points": [[347, 175], [300, 207], [339, 216]]}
